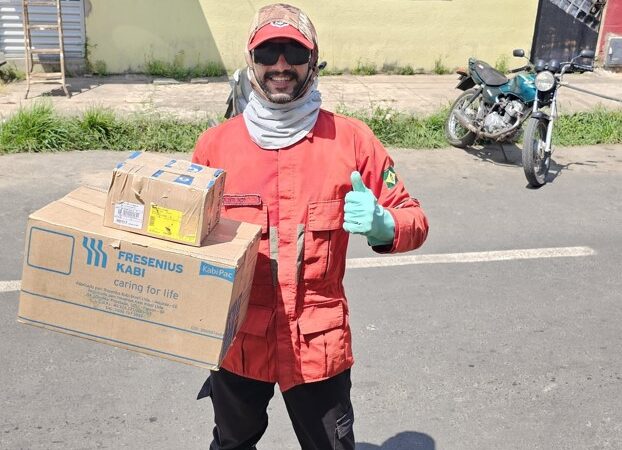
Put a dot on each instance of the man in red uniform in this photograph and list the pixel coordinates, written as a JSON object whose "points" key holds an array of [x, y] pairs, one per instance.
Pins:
{"points": [[309, 178]]}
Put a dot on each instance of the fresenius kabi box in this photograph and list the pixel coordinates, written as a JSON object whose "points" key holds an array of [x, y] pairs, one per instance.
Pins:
{"points": [[132, 291]]}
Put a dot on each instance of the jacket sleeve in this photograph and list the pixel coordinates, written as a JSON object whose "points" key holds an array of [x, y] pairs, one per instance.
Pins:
{"points": [[199, 156], [379, 174]]}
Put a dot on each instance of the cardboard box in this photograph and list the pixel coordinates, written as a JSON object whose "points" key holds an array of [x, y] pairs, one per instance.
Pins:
{"points": [[158, 196], [145, 294]]}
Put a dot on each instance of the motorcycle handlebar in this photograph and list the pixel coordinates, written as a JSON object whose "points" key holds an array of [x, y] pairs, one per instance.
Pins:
{"points": [[570, 67], [519, 69], [583, 67]]}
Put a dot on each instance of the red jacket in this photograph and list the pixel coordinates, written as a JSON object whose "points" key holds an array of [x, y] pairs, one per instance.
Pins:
{"points": [[296, 328]]}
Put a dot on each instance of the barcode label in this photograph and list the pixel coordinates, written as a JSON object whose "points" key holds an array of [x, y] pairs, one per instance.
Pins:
{"points": [[129, 214]]}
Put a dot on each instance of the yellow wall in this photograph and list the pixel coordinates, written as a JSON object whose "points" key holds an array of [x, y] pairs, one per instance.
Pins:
{"points": [[126, 33]]}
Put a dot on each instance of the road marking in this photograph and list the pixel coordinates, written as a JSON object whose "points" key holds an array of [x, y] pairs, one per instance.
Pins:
{"points": [[442, 258], [8, 286], [470, 257]]}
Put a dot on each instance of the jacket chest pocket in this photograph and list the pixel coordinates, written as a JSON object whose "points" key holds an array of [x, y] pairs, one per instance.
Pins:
{"points": [[252, 213], [322, 247]]}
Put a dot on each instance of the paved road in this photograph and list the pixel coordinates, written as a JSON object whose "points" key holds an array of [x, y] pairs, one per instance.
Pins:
{"points": [[498, 354]]}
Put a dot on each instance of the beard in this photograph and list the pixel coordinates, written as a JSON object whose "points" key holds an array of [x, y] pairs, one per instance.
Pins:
{"points": [[281, 97]]}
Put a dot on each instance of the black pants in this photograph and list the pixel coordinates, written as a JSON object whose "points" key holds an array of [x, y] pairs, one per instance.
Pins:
{"points": [[321, 412]]}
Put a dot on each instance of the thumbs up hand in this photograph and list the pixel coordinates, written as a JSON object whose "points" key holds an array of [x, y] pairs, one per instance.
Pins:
{"points": [[357, 183], [359, 208], [363, 215]]}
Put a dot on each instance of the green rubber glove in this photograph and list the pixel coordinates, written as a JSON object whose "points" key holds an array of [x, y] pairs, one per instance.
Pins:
{"points": [[363, 214]]}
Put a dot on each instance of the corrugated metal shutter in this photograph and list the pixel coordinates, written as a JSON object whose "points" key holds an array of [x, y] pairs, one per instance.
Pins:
{"points": [[563, 28], [12, 30]]}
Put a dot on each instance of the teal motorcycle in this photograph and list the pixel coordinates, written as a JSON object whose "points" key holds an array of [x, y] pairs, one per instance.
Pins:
{"points": [[494, 108]]}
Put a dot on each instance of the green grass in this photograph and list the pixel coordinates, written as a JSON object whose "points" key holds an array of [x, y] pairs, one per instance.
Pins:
{"points": [[34, 129], [440, 68], [589, 128], [99, 68], [39, 129], [9, 73], [502, 64], [402, 130], [394, 69], [395, 129], [363, 68], [331, 71], [179, 71]]}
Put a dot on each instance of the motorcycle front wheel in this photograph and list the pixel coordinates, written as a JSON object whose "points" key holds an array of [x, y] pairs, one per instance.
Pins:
{"points": [[536, 161], [456, 134]]}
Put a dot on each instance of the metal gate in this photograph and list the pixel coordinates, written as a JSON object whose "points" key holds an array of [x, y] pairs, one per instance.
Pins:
{"points": [[12, 28], [565, 27]]}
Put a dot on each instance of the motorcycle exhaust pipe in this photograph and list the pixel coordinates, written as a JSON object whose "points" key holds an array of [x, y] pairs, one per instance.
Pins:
{"points": [[464, 122]]}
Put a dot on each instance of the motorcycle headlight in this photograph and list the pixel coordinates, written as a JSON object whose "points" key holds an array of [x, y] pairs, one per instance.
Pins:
{"points": [[545, 81]]}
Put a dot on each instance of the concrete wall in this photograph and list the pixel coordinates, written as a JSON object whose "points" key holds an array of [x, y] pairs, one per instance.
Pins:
{"points": [[126, 33]]}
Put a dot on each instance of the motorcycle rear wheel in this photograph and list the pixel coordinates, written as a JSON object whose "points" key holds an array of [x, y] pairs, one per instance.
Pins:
{"points": [[536, 162], [455, 133]]}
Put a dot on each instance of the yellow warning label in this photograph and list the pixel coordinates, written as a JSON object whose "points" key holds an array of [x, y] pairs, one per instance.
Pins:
{"points": [[166, 222]]}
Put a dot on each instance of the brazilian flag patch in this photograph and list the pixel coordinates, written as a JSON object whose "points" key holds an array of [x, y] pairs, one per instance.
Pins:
{"points": [[389, 177]]}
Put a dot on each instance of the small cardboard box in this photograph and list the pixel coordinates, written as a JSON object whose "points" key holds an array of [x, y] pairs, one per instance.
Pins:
{"points": [[132, 291], [167, 198]]}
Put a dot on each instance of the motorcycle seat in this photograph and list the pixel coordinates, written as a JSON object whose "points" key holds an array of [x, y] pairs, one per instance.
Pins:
{"points": [[489, 75]]}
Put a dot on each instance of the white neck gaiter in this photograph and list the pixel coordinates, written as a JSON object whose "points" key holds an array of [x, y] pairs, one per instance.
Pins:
{"points": [[276, 125]]}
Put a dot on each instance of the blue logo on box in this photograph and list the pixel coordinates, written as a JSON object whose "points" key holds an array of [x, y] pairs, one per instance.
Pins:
{"points": [[194, 168], [96, 256], [157, 173], [215, 271], [184, 179], [171, 163]]}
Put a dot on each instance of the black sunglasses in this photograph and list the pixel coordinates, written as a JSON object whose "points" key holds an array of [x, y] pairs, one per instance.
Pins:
{"points": [[268, 54]]}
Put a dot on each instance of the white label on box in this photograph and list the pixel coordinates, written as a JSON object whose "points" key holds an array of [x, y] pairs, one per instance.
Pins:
{"points": [[129, 214]]}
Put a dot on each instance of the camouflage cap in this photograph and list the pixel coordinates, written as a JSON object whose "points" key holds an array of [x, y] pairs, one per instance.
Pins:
{"points": [[280, 16]]}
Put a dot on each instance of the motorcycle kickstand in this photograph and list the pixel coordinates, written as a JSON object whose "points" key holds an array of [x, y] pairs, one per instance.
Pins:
{"points": [[503, 151]]}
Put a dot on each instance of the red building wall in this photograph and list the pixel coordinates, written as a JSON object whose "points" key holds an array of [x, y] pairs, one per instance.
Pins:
{"points": [[612, 23]]}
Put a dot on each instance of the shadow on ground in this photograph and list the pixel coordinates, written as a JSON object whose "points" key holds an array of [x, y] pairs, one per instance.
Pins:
{"points": [[407, 440], [77, 86], [508, 155], [511, 155], [80, 85]]}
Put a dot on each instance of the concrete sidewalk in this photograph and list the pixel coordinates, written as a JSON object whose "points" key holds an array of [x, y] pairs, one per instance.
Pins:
{"points": [[419, 94]]}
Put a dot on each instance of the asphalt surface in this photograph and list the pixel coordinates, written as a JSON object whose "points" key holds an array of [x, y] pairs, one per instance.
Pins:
{"points": [[515, 354]]}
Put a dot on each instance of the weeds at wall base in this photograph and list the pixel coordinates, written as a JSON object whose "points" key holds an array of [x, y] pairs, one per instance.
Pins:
{"points": [[10, 73], [178, 70]]}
